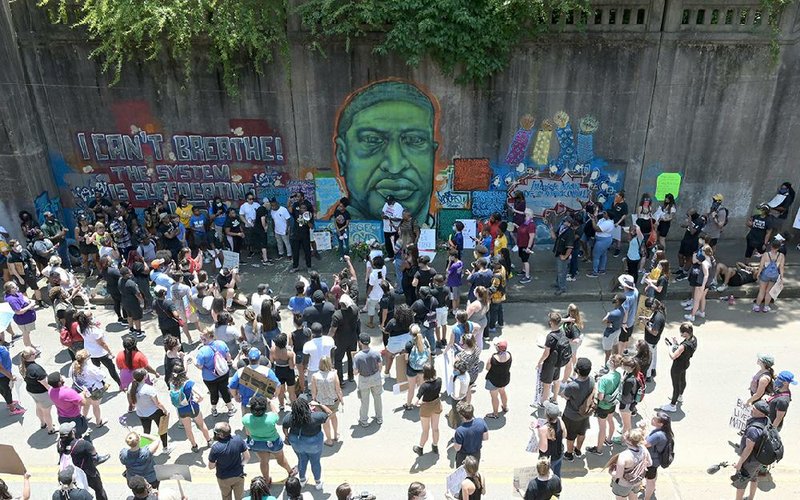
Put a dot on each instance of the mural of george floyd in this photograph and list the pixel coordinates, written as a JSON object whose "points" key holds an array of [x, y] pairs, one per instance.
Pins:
{"points": [[583, 114]]}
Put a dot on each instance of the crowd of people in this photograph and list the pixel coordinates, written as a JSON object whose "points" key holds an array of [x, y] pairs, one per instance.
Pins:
{"points": [[170, 265]]}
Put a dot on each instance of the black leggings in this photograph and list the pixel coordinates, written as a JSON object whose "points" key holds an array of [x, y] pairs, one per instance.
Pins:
{"points": [[678, 374], [109, 364], [303, 244], [218, 387], [338, 357], [147, 423], [96, 483], [633, 268], [118, 307], [5, 390]]}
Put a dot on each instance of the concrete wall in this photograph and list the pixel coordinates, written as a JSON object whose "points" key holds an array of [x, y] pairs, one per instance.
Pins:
{"points": [[670, 91]]}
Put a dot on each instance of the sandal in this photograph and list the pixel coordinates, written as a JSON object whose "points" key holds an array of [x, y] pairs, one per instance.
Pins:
{"points": [[492, 415], [52, 431], [195, 447], [408, 407], [103, 423], [43, 426], [328, 443]]}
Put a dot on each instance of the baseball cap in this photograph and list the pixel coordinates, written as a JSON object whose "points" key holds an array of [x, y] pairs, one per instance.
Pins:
{"points": [[786, 376], [65, 428], [766, 359], [364, 338], [254, 354], [501, 345], [627, 281], [156, 263], [65, 475], [717, 197], [551, 410], [778, 237], [762, 406]]}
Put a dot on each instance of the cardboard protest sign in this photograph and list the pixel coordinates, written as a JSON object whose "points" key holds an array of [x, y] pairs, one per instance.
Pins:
{"points": [[163, 425], [230, 259], [258, 382], [522, 477], [641, 310], [173, 471], [455, 479], [10, 463], [741, 414]]}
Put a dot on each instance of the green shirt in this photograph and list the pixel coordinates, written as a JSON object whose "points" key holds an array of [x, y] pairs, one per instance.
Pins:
{"points": [[50, 229], [608, 385], [261, 428]]}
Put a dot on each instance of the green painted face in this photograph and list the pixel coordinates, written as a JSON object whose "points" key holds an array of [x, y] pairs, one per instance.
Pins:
{"points": [[388, 150]]}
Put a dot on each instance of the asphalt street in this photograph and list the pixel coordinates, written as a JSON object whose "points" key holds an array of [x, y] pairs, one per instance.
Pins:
{"points": [[380, 460]]}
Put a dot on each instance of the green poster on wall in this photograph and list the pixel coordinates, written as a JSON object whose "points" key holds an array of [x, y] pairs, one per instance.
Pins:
{"points": [[668, 182]]}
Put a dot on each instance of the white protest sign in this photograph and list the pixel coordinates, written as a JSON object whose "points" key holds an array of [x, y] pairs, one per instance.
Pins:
{"points": [[230, 259], [522, 477], [741, 414], [777, 288], [537, 397], [470, 231], [427, 239], [455, 479], [323, 240]]}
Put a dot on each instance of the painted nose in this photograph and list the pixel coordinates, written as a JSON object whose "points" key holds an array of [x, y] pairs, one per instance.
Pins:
{"points": [[394, 161]]}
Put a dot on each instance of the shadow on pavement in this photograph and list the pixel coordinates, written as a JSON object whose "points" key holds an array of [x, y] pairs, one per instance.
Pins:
{"points": [[424, 462]]}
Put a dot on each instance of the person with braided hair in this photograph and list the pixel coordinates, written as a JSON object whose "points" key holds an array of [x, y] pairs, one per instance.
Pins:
{"points": [[260, 426]]}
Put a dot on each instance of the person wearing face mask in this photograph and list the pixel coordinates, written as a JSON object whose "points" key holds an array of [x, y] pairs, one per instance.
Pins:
{"points": [[780, 205], [717, 217], [681, 354], [762, 382], [618, 212], [781, 397]]}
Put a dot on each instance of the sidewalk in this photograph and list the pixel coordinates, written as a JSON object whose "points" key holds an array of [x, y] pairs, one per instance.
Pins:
{"points": [[538, 290]]}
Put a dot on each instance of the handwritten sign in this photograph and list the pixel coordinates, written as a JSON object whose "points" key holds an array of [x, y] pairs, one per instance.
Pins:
{"points": [[522, 477], [455, 479], [470, 231], [323, 240], [10, 463], [776, 289], [741, 414], [230, 259], [668, 183], [258, 382], [173, 471], [427, 239]]}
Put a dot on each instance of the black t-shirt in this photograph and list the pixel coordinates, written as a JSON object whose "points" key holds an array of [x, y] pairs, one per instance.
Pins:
{"points": [[618, 212], [564, 240], [345, 217], [656, 325], [302, 229], [424, 277], [387, 304], [129, 290], [112, 276], [759, 229], [551, 342], [430, 390], [73, 494], [662, 282], [689, 347], [310, 429], [346, 323], [442, 295], [223, 281], [422, 307], [261, 211], [646, 225], [543, 490], [83, 453], [33, 375], [692, 232], [24, 258], [151, 496], [394, 329], [779, 402], [168, 242], [164, 310], [319, 313], [235, 226]]}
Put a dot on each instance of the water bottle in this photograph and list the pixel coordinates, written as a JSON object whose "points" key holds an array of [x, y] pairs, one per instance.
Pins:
{"points": [[731, 300]]}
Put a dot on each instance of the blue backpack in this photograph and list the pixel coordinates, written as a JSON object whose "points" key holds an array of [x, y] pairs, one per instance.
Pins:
{"points": [[771, 271]]}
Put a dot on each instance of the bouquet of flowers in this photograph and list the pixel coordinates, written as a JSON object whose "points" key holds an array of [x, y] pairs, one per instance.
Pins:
{"points": [[359, 250]]}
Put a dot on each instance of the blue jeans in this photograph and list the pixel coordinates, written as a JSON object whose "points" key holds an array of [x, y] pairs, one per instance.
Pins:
{"points": [[308, 449], [344, 244], [269, 337], [600, 254], [63, 252], [398, 273], [555, 465], [427, 332], [562, 266], [573, 261]]}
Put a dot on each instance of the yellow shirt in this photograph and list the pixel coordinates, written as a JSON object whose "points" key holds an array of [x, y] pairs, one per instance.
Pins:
{"points": [[655, 274], [184, 213], [499, 243]]}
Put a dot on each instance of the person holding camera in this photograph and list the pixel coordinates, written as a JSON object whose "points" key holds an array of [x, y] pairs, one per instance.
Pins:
{"points": [[746, 469], [681, 354]]}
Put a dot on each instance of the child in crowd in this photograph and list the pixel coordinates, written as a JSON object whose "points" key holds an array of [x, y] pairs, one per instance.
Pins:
{"points": [[501, 242], [498, 291], [456, 241], [454, 271]]}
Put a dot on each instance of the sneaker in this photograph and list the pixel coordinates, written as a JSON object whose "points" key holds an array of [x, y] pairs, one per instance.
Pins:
{"points": [[379, 421], [722, 288], [364, 424], [418, 450], [318, 486], [688, 307], [168, 449], [765, 309], [680, 398], [214, 412], [18, 410], [578, 452], [572, 278], [669, 408], [593, 450], [303, 481], [681, 277], [687, 302], [756, 308], [435, 449], [592, 275], [616, 253], [702, 314], [688, 317], [525, 279], [569, 457]]}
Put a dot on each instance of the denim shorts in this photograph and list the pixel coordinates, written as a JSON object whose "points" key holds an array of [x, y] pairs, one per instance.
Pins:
{"points": [[257, 446]]}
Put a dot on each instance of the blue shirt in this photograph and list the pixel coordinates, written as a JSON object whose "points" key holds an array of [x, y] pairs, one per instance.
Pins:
{"points": [[198, 223], [162, 279], [5, 360], [228, 457], [139, 463], [470, 435], [245, 392], [634, 250], [615, 321], [298, 304], [630, 305], [205, 357]]}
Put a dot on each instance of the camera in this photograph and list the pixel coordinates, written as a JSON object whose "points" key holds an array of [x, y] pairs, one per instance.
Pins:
{"points": [[365, 495]]}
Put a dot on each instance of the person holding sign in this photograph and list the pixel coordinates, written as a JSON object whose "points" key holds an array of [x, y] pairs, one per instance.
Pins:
{"points": [[26, 489], [149, 409]]}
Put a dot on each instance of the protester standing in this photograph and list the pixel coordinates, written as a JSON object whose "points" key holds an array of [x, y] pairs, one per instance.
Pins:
{"points": [[227, 458], [367, 367], [210, 358], [681, 354], [548, 363], [326, 389], [608, 389], [87, 377], [551, 437], [653, 329], [470, 435], [770, 268], [303, 429], [578, 392], [68, 403], [149, 409], [430, 409], [36, 385], [498, 376], [259, 425], [545, 485], [627, 471], [24, 312], [83, 454], [139, 461], [747, 467], [659, 442]]}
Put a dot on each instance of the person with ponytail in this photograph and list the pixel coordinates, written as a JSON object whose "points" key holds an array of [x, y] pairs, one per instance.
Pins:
{"points": [[419, 354], [763, 381], [87, 377], [36, 384], [303, 429], [130, 359], [653, 329], [186, 401], [149, 409], [656, 442], [259, 489], [94, 342]]}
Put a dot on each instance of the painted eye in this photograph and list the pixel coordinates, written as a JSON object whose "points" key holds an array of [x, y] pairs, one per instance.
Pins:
{"points": [[414, 140], [372, 139]]}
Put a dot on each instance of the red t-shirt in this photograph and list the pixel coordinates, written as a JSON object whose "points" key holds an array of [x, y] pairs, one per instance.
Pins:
{"points": [[524, 234], [75, 332], [139, 361]]}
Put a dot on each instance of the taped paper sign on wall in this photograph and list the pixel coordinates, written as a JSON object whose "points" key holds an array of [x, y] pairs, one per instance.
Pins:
{"points": [[323, 240]]}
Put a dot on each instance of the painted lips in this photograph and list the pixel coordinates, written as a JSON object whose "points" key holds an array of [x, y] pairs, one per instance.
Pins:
{"points": [[401, 189]]}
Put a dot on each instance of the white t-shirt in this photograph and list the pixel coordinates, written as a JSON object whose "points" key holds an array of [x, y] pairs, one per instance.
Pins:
{"points": [[395, 212], [255, 302], [375, 282], [606, 228], [146, 400], [279, 218], [90, 378], [248, 211], [90, 338], [316, 348]]}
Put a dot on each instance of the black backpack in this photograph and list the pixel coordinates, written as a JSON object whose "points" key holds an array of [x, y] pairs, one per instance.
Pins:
{"points": [[695, 275], [769, 448], [667, 455], [563, 350]]}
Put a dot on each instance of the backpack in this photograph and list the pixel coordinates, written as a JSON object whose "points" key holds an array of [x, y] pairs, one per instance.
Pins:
{"points": [[586, 409], [571, 330], [416, 359], [769, 449], [641, 385], [695, 275], [563, 351], [667, 455], [178, 397], [220, 363], [65, 337], [771, 271], [726, 215], [651, 240], [79, 476]]}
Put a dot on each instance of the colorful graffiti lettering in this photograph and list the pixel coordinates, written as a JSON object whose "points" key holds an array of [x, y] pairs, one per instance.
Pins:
{"points": [[43, 203], [386, 141], [360, 230]]}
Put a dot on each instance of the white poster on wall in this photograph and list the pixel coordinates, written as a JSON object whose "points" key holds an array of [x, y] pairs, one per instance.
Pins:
{"points": [[796, 224], [427, 243], [470, 231]]}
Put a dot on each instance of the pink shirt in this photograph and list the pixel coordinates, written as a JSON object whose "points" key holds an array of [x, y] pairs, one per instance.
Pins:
{"points": [[67, 400]]}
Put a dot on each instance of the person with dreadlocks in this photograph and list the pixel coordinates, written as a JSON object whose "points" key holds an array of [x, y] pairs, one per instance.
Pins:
{"points": [[264, 440], [259, 489], [303, 429]]}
